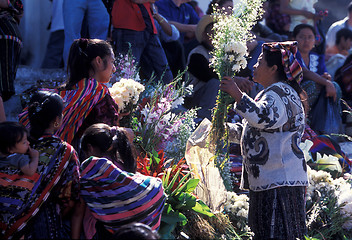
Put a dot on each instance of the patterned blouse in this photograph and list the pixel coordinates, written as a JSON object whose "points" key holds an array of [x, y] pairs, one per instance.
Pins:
{"points": [[269, 136]]}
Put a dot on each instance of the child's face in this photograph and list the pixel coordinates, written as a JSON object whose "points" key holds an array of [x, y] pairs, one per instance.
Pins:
{"points": [[22, 146]]}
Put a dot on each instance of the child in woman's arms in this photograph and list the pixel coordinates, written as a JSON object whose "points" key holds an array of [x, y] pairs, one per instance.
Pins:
{"points": [[15, 150]]}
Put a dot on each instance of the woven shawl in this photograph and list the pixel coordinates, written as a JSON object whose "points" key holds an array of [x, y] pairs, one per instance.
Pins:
{"points": [[21, 196], [78, 104], [116, 197]]}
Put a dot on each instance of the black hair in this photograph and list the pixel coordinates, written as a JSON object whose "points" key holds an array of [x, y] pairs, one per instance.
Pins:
{"points": [[10, 134], [275, 58], [136, 231], [193, 3], [112, 143], [346, 33], [302, 26], [82, 53], [212, 5], [43, 108]]}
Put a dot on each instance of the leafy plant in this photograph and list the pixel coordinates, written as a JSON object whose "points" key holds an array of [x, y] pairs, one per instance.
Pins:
{"points": [[179, 200]]}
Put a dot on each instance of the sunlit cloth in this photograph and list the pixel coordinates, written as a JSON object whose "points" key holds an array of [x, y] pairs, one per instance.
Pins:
{"points": [[78, 104], [21, 197], [323, 144], [116, 197]]}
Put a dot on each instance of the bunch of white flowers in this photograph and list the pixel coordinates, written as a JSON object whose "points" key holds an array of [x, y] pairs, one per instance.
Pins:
{"points": [[319, 181], [126, 92], [344, 197], [237, 206], [321, 184], [231, 33], [229, 39]]}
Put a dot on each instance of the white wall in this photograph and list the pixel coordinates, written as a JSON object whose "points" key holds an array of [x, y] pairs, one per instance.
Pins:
{"points": [[203, 4], [34, 31]]}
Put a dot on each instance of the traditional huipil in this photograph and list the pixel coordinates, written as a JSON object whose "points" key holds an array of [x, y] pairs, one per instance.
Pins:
{"points": [[116, 197], [32, 200], [274, 169]]}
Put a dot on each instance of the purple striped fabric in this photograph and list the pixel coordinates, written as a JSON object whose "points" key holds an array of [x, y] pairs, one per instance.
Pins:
{"points": [[116, 197]]}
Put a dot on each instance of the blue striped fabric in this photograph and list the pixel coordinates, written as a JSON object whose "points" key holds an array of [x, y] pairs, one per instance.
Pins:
{"points": [[116, 197]]}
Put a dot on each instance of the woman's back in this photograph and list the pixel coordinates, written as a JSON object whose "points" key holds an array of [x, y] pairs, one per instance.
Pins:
{"points": [[116, 197], [56, 181]]}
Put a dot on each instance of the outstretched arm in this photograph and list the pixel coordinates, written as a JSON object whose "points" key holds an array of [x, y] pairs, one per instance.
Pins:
{"points": [[322, 80], [228, 85], [285, 8], [77, 219]]}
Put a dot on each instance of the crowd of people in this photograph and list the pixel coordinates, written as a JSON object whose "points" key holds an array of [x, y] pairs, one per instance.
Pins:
{"points": [[67, 170]]}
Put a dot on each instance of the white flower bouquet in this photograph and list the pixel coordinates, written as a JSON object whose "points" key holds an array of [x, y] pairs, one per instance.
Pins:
{"points": [[126, 93], [329, 205], [237, 207], [231, 33]]}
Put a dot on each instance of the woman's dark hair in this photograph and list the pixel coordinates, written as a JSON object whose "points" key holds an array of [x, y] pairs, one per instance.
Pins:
{"points": [[112, 142], [212, 5], [43, 108], [10, 134], [274, 58], [136, 231], [302, 26], [82, 53]]}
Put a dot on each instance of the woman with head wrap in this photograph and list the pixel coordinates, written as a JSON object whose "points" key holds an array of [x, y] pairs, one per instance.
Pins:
{"points": [[274, 167]]}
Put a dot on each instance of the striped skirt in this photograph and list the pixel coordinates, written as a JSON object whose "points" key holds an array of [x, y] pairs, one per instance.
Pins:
{"points": [[278, 213], [10, 49]]}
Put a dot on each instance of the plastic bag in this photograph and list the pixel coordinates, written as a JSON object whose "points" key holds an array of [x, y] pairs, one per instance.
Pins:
{"points": [[325, 117], [199, 156]]}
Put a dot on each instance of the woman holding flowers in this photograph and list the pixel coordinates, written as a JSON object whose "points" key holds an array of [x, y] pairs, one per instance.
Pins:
{"points": [[274, 167]]}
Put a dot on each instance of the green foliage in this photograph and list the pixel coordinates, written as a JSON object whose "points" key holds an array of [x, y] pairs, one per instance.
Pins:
{"points": [[179, 200]]}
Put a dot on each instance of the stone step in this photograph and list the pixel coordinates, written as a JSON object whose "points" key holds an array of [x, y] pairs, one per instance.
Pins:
{"points": [[27, 78]]}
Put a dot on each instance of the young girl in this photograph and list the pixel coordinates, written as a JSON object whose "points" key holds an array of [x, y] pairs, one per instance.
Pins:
{"points": [[15, 150], [102, 140], [86, 98], [114, 194]]}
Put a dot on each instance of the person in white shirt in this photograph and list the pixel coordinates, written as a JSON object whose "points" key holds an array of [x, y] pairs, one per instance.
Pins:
{"points": [[336, 26]]}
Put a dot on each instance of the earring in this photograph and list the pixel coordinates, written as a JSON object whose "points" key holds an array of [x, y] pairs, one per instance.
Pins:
{"points": [[56, 124]]}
